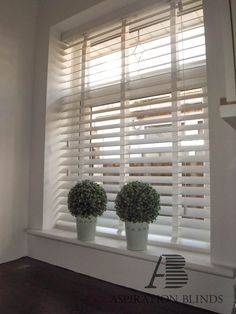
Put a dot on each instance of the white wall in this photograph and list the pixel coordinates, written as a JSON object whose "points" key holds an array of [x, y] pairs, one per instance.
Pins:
{"points": [[221, 84], [17, 31]]}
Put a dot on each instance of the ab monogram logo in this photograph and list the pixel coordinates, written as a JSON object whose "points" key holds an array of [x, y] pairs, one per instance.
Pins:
{"points": [[174, 275]]}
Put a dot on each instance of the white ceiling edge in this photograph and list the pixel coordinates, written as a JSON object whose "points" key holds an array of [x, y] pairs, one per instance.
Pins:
{"points": [[101, 14]]}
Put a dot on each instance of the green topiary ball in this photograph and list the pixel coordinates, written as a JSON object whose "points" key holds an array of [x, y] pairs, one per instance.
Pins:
{"points": [[137, 202], [86, 199]]}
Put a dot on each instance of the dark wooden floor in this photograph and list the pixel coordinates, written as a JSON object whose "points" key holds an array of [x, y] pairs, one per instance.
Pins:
{"points": [[28, 286]]}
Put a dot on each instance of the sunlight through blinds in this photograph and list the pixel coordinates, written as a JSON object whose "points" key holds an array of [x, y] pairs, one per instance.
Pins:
{"points": [[134, 107]]}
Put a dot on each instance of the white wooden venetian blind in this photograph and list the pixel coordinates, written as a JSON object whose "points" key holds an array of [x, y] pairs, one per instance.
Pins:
{"points": [[135, 108]]}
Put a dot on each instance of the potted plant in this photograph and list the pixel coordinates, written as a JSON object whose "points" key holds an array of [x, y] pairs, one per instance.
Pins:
{"points": [[138, 205], [86, 201]]}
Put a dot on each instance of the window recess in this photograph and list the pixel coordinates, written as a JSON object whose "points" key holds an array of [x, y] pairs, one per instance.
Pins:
{"points": [[134, 107]]}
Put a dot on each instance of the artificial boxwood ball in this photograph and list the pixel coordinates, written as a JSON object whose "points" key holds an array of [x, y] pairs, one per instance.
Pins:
{"points": [[137, 202], [86, 199]]}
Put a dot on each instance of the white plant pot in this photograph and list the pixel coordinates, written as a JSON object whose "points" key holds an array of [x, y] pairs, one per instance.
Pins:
{"points": [[136, 235], [86, 228]]}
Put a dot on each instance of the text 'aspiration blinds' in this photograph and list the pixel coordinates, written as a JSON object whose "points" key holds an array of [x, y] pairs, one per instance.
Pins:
{"points": [[134, 107]]}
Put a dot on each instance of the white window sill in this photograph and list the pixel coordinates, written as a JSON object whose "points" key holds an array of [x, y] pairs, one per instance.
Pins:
{"points": [[194, 260]]}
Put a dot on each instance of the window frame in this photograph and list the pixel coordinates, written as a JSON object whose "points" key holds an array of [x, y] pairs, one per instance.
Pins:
{"points": [[219, 255]]}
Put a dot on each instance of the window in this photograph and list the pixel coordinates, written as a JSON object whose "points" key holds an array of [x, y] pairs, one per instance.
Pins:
{"points": [[134, 107]]}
